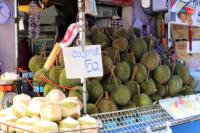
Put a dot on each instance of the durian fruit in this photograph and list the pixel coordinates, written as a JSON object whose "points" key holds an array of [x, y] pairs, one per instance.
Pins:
{"points": [[150, 60], [117, 33], [148, 39], [121, 95], [130, 105], [109, 51], [92, 109], [188, 90], [161, 90], [71, 107], [192, 83], [69, 125], [110, 85], [51, 112], [149, 87], [129, 58], [120, 44], [132, 85], [183, 71], [174, 85], [42, 73], [68, 82], [77, 91], [45, 126], [47, 88], [36, 63], [141, 73], [35, 106], [88, 41], [106, 104], [61, 60], [100, 38], [89, 123], [55, 96], [156, 98], [162, 74], [20, 105], [95, 90], [139, 47], [142, 100], [123, 71], [54, 73], [107, 64]]}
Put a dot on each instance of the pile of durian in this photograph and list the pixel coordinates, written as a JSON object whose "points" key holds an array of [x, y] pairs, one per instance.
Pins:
{"points": [[53, 113], [138, 71]]}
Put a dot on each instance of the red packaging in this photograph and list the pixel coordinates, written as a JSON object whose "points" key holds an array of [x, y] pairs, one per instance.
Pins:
{"points": [[123, 2]]}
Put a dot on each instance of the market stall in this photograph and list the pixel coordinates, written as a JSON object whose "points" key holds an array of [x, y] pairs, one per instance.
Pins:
{"points": [[101, 77]]}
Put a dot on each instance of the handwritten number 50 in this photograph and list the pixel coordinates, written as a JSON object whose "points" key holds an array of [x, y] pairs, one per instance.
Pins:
{"points": [[91, 65]]}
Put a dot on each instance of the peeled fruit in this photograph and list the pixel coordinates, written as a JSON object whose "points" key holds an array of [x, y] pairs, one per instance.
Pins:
{"points": [[132, 86], [55, 96], [25, 123], [107, 64], [139, 47], [174, 84], [20, 105], [150, 60], [36, 63], [121, 95], [36, 105], [123, 71], [51, 112], [45, 126], [88, 122], [162, 74], [142, 100], [183, 71], [54, 73], [92, 109], [10, 120], [95, 90], [120, 44], [71, 107], [68, 82], [69, 125], [141, 73], [120, 33], [149, 87]]}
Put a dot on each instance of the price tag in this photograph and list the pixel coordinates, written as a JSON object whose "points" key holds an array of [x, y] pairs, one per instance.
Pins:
{"points": [[87, 63]]}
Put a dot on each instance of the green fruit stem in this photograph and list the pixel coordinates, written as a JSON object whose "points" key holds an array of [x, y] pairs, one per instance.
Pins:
{"points": [[133, 57], [147, 78], [173, 67], [111, 38], [98, 100], [167, 90], [138, 89], [113, 76]]}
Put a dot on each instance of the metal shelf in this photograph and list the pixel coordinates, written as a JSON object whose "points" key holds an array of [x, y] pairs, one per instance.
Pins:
{"points": [[138, 120]]}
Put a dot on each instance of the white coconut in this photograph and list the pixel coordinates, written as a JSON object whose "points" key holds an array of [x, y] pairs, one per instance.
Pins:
{"points": [[88, 122], [71, 107], [36, 105], [6, 112], [51, 112], [8, 120], [69, 125], [20, 105], [55, 96], [45, 126]]}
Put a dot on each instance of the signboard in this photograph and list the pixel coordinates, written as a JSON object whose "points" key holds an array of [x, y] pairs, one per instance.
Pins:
{"points": [[185, 12], [90, 7], [79, 63]]}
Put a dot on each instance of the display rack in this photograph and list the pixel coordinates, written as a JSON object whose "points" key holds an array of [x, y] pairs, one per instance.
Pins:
{"points": [[139, 120]]}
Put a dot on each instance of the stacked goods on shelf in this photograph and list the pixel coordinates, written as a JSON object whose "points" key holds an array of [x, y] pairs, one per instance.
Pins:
{"points": [[138, 71], [52, 113]]}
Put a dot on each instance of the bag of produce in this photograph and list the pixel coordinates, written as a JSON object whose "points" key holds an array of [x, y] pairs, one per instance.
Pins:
{"points": [[36, 105], [51, 112], [87, 122], [45, 126], [71, 107], [69, 124], [55, 96], [20, 105]]}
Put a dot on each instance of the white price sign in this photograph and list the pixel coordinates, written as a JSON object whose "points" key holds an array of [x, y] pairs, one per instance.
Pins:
{"points": [[83, 64]]}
